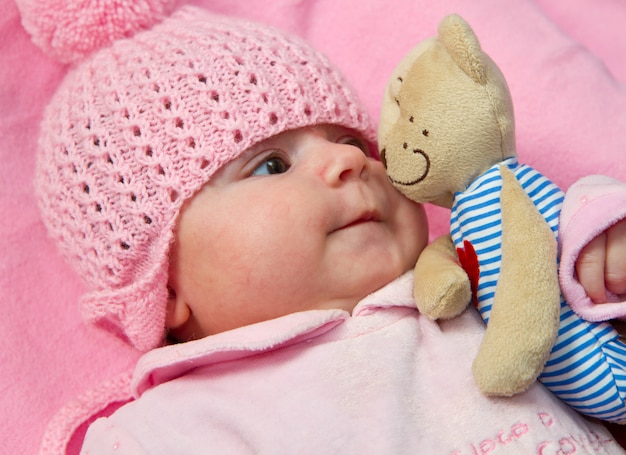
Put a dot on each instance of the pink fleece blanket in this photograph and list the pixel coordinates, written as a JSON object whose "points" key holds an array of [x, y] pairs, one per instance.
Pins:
{"points": [[565, 61]]}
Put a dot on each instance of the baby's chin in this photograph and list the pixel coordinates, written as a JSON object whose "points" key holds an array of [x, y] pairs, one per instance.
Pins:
{"points": [[373, 286]]}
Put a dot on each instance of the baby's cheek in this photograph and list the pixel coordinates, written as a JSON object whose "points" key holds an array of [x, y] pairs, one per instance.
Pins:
{"points": [[415, 218], [416, 227]]}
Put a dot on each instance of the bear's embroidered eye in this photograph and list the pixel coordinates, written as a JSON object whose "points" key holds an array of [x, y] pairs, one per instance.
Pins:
{"points": [[411, 119], [425, 133], [397, 101]]}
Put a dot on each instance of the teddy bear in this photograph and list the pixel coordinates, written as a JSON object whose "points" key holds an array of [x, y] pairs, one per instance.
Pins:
{"points": [[447, 137]]}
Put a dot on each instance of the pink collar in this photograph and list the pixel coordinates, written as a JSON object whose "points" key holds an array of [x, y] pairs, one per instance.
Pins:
{"points": [[166, 363]]}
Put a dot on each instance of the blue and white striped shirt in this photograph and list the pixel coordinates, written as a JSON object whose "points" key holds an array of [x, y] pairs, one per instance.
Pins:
{"points": [[587, 366]]}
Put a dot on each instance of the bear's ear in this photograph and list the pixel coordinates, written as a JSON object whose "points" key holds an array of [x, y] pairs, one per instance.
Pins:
{"points": [[461, 43]]}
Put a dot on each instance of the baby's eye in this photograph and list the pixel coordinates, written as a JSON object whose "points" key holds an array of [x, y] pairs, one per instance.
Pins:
{"points": [[271, 165], [355, 142]]}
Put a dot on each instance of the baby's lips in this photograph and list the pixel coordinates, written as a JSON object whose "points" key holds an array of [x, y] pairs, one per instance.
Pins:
{"points": [[361, 217]]}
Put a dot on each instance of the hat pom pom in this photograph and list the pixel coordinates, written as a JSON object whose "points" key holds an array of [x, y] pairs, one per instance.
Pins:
{"points": [[69, 30]]}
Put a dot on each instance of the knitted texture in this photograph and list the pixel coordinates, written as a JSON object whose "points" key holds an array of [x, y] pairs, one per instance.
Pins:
{"points": [[72, 29], [138, 127], [83, 409]]}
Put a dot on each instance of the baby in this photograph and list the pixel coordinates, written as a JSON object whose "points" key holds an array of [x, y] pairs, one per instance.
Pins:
{"points": [[215, 183], [307, 203]]}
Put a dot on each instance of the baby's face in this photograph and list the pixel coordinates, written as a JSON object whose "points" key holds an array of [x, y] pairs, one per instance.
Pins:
{"points": [[304, 220]]}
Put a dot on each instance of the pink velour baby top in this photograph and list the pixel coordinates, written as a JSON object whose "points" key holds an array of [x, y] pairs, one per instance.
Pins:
{"points": [[592, 205], [384, 380]]}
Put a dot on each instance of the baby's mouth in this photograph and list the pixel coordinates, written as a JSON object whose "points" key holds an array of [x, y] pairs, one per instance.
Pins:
{"points": [[366, 217]]}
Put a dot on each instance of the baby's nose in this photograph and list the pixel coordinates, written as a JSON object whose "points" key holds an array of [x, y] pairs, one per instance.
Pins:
{"points": [[344, 162]]}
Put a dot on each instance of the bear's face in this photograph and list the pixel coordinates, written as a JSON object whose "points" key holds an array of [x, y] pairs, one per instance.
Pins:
{"points": [[439, 128]]}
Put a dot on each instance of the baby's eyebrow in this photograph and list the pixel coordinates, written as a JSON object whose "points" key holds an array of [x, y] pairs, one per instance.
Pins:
{"points": [[260, 146], [249, 152]]}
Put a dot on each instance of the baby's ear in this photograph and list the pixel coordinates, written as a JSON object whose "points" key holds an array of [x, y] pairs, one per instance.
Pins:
{"points": [[178, 312]]}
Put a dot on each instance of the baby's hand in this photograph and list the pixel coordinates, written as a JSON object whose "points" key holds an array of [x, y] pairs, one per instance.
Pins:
{"points": [[601, 265]]}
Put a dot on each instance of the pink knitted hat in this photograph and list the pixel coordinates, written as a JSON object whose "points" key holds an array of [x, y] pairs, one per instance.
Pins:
{"points": [[142, 121]]}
